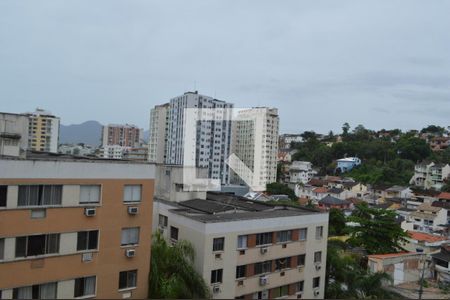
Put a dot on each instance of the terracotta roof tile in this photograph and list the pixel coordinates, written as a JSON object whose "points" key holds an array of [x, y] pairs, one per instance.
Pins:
{"points": [[444, 195], [429, 238]]}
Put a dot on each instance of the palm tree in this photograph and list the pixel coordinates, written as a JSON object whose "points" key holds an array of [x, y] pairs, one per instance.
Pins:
{"points": [[345, 278], [172, 274]]}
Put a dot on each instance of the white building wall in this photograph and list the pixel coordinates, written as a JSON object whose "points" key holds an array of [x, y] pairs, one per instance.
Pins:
{"points": [[256, 144], [201, 236], [213, 138]]}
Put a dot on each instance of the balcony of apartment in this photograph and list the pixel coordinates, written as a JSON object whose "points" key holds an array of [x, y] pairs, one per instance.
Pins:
{"points": [[420, 169], [10, 135], [270, 252], [250, 285]]}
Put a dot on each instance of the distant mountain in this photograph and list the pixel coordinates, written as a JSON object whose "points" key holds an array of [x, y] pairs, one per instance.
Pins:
{"points": [[89, 132]]}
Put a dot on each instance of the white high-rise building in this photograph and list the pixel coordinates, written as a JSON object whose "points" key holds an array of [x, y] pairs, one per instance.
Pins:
{"points": [[213, 137], [43, 131], [255, 142], [159, 118]]}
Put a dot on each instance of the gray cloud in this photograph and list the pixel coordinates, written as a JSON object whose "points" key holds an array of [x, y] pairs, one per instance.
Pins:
{"points": [[383, 64]]}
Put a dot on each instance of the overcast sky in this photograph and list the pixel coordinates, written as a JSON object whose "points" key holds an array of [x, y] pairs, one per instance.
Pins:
{"points": [[384, 64]]}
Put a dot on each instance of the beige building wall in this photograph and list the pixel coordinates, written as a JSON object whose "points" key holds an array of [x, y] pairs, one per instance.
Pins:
{"points": [[201, 236], [68, 219]]}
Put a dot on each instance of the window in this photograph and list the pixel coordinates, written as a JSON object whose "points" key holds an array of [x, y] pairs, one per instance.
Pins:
{"points": [[264, 238], [39, 195], [301, 260], [3, 195], [37, 291], [89, 194], [87, 240], [319, 232], [299, 286], [174, 233], [303, 234], [218, 244], [162, 220], [263, 267], [242, 242], [127, 279], [241, 271], [130, 236], [284, 236], [318, 257], [84, 286], [132, 193], [2, 248], [216, 276], [316, 282], [37, 245], [280, 291], [282, 263]]}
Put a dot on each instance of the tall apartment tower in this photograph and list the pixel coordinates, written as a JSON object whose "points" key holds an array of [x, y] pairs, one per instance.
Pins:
{"points": [[121, 135], [159, 118], [43, 131], [255, 142], [213, 138], [74, 228]]}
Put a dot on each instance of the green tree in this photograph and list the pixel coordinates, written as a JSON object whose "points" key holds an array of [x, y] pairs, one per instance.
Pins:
{"points": [[438, 130], [345, 278], [377, 230], [336, 222], [413, 148], [446, 187], [172, 274], [277, 188], [345, 128]]}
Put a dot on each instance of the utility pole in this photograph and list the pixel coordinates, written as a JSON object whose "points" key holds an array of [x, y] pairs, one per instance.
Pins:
{"points": [[422, 276]]}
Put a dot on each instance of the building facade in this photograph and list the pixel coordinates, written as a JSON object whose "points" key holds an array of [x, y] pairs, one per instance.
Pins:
{"points": [[430, 175], [301, 172], [157, 142], [286, 140], [13, 134], [74, 228], [43, 131], [213, 136], [250, 250], [348, 163], [121, 135], [255, 142]]}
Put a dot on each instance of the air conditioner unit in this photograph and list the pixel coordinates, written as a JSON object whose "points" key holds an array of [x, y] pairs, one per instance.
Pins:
{"points": [[318, 266], [216, 289], [89, 212], [263, 280], [130, 252], [133, 210], [300, 268], [263, 250], [86, 257], [316, 292]]}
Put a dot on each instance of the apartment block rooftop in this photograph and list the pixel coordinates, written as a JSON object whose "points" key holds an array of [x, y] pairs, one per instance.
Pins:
{"points": [[50, 156], [223, 207]]}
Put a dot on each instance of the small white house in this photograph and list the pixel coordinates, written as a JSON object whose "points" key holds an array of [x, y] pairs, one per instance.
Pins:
{"points": [[301, 172], [427, 218]]}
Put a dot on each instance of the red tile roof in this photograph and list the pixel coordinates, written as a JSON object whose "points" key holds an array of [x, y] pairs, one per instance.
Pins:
{"points": [[444, 195], [425, 237], [321, 190]]}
